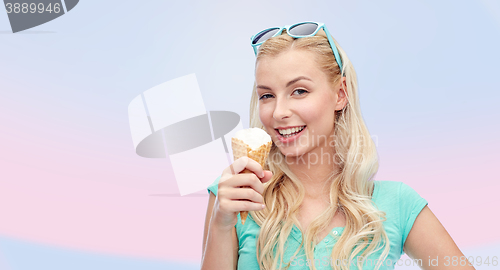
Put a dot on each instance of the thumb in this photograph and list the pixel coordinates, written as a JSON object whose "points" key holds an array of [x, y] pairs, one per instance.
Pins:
{"points": [[267, 176]]}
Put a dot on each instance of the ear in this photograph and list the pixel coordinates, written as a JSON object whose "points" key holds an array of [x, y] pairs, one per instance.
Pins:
{"points": [[341, 94]]}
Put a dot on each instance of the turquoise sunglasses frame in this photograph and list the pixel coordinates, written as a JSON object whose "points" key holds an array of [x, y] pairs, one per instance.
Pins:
{"points": [[287, 27]]}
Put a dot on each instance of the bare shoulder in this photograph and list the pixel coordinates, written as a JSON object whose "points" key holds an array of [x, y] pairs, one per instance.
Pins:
{"points": [[429, 239]]}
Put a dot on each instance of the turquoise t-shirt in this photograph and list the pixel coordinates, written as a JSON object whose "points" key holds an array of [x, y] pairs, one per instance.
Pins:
{"points": [[399, 201]]}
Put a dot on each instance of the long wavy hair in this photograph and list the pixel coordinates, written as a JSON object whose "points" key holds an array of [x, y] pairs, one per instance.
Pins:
{"points": [[351, 186]]}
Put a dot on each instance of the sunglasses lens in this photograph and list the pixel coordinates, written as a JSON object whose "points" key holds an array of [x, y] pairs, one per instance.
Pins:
{"points": [[265, 35], [304, 29]]}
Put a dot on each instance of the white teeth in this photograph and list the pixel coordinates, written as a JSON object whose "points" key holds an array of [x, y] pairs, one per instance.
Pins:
{"points": [[290, 130]]}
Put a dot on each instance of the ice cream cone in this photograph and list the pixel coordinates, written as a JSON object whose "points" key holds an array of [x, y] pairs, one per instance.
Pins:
{"points": [[260, 154]]}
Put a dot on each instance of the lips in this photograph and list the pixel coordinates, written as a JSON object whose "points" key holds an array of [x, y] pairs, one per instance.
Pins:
{"points": [[292, 138], [285, 132]]}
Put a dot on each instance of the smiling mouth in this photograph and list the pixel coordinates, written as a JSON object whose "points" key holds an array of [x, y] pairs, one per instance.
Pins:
{"points": [[290, 132]]}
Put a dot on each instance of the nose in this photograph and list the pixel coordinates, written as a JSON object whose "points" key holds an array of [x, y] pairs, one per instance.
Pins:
{"points": [[281, 110]]}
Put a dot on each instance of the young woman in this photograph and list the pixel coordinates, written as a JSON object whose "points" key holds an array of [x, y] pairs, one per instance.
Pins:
{"points": [[314, 205]]}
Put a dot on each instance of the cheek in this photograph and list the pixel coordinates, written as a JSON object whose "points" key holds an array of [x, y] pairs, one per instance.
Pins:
{"points": [[265, 115], [319, 111], [327, 104], [310, 111]]}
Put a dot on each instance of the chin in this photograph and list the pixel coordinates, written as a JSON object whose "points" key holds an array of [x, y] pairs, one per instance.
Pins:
{"points": [[292, 153]]}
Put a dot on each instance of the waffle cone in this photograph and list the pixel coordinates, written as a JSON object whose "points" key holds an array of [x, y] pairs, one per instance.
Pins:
{"points": [[241, 149]]}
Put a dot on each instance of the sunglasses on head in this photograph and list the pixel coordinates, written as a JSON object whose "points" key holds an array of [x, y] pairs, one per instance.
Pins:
{"points": [[298, 30]]}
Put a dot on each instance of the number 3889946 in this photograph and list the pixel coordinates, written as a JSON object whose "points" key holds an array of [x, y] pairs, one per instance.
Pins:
{"points": [[32, 8]]}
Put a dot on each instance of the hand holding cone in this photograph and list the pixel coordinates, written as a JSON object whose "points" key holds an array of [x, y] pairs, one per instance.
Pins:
{"points": [[254, 143]]}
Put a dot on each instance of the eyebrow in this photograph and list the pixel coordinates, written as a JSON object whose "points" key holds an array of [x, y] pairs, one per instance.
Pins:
{"points": [[288, 84]]}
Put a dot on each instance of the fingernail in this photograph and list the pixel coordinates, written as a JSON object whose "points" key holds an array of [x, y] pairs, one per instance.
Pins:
{"points": [[263, 206], [262, 174]]}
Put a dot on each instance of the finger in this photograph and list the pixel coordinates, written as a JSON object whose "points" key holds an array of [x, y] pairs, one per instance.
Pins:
{"points": [[238, 206], [246, 163], [236, 167], [249, 180], [267, 177], [247, 194]]}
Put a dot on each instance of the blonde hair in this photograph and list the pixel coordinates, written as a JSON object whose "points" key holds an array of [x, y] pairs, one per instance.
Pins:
{"points": [[351, 188]]}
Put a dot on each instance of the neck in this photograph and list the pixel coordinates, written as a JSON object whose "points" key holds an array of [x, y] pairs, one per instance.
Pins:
{"points": [[314, 170]]}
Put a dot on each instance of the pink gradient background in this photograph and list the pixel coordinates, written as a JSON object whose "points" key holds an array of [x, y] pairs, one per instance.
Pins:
{"points": [[93, 196], [69, 175]]}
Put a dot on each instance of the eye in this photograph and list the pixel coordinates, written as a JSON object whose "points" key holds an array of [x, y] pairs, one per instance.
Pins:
{"points": [[265, 96], [301, 91]]}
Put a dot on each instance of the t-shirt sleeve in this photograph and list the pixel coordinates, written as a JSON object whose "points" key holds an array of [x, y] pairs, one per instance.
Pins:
{"points": [[410, 204], [214, 187]]}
